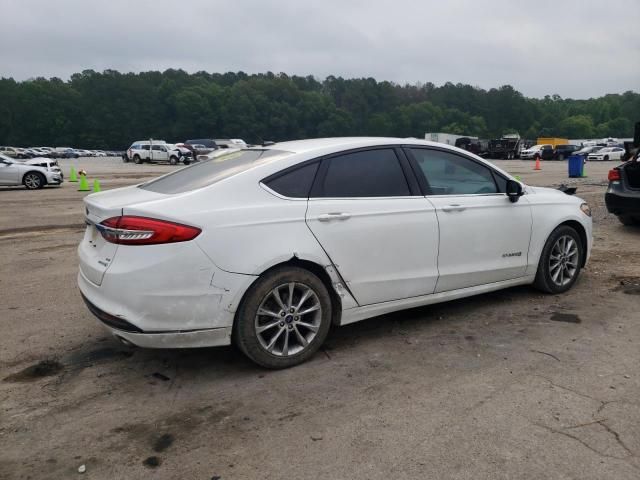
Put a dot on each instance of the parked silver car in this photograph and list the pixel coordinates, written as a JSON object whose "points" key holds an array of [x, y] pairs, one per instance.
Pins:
{"points": [[14, 172]]}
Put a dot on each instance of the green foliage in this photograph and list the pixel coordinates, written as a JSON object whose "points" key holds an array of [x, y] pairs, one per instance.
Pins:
{"points": [[111, 109]]}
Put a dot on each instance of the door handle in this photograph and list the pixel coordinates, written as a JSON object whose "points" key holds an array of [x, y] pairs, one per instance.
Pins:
{"points": [[454, 207], [327, 217]]}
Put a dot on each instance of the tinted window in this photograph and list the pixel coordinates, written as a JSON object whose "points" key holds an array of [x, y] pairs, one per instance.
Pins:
{"points": [[295, 183], [373, 173], [211, 171], [501, 182], [450, 174]]}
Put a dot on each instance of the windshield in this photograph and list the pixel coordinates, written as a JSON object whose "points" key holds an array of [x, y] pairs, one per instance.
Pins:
{"points": [[211, 171], [6, 159]]}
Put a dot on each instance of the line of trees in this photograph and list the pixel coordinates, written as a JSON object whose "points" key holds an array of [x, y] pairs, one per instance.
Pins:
{"points": [[110, 109]]}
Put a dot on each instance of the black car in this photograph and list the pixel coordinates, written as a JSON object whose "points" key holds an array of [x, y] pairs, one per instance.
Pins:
{"points": [[623, 195], [473, 145], [546, 153], [564, 151], [204, 146]]}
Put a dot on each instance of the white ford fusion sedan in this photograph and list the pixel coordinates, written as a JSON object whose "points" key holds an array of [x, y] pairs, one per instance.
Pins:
{"points": [[268, 247]]}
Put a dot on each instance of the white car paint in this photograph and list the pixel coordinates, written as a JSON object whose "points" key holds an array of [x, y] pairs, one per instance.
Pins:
{"points": [[12, 171], [531, 152], [386, 254], [387, 267], [611, 153]]}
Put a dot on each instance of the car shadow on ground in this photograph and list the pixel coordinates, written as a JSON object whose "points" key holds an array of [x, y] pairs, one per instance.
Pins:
{"points": [[23, 189], [223, 362]]}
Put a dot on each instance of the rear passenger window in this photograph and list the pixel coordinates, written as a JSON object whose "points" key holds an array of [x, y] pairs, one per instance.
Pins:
{"points": [[372, 173], [294, 183], [450, 174]]}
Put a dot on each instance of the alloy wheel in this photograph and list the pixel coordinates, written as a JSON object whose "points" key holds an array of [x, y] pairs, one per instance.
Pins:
{"points": [[563, 261], [288, 319], [32, 181]]}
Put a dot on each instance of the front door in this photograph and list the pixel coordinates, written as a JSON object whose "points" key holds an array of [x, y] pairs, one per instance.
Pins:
{"points": [[9, 173], [159, 153], [382, 238], [484, 238]]}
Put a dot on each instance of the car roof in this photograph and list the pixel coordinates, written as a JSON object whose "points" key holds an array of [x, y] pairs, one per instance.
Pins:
{"points": [[307, 149], [344, 143]]}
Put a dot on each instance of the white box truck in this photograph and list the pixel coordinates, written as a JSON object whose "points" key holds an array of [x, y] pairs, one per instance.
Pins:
{"points": [[446, 138]]}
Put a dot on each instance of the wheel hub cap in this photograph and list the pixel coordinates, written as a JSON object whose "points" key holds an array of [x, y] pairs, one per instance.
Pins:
{"points": [[288, 319], [563, 261]]}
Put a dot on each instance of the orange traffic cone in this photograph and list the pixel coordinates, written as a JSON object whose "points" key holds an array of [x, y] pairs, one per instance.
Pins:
{"points": [[538, 167]]}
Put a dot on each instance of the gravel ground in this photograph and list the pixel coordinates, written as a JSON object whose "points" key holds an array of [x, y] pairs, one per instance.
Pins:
{"points": [[513, 384]]}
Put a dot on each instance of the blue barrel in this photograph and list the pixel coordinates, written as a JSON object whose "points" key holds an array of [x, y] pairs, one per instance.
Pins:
{"points": [[576, 166]]}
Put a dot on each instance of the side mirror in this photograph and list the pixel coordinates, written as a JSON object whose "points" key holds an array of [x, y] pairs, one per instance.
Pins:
{"points": [[514, 190]]}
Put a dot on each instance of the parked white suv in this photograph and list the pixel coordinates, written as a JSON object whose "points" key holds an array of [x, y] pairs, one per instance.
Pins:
{"points": [[15, 172], [157, 151], [531, 152]]}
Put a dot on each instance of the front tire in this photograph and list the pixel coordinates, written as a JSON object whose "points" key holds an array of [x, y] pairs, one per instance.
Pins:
{"points": [[606, 158], [34, 181], [560, 261], [137, 160], [561, 157], [284, 318]]}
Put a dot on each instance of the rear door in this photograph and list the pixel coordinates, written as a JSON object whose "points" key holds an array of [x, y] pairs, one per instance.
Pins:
{"points": [[366, 211], [484, 238]]}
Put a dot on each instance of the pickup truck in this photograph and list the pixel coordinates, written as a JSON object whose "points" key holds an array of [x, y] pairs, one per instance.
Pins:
{"points": [[157, 151]]}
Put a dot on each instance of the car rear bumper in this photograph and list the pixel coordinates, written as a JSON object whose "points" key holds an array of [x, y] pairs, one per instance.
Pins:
{"points": [[620, 204], [172, 297], [130, 334]]}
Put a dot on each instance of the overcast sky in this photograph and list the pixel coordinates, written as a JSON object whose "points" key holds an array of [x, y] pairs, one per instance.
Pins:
{"points": [[575, 48]]}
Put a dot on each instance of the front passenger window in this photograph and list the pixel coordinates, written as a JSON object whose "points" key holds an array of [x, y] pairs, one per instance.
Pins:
{"points": [[450, 174]]}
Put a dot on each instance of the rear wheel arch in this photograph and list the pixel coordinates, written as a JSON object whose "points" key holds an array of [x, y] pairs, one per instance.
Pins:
{"points": [[245, 334], [318, 271]]}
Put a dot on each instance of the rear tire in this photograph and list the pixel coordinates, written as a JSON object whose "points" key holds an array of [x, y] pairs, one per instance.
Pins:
{"points": [[173, 160], [295, 318], [629, 220], [560, 262], [34, 181]]}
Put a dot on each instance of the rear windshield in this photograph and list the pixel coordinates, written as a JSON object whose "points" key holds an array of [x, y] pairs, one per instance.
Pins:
{"points": [[211, 171]]}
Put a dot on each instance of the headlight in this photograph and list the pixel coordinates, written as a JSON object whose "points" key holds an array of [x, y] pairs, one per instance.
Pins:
{"points": [[586, 209]]}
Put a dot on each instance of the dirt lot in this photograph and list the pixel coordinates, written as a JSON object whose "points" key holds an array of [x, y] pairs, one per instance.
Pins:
{"points": [[513, 384]]}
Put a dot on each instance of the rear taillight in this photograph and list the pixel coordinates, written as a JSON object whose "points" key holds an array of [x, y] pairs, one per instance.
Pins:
{"points": [[130, 230], [614, 174]]}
